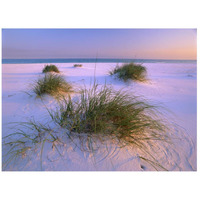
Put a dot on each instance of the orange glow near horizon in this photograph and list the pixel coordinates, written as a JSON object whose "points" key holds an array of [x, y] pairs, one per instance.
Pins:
{"points": [[107, 43], [174, 53]]}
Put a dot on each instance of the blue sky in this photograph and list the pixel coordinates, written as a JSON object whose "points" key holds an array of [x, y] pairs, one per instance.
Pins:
{"points": [[104, 43]]}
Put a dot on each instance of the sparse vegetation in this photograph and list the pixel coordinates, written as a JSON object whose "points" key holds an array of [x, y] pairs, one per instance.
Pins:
{"points": [[129, 71], [50, 68], [100, 114], [23, 142], [51, 84], [78, 65]]}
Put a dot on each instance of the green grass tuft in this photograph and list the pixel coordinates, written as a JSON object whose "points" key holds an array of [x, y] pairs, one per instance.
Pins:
{"points": [[129, 71], [103, 112], [51, 84], [78, 65], [50, 68]]}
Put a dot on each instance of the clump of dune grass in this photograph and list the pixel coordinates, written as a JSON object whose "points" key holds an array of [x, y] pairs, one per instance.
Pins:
{"points": [[50, 68], [130, 71], [51, 84], [78, 65], [101, 112]]}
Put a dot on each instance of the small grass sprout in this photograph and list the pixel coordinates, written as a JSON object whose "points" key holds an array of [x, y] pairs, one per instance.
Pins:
{"points": [[78, 65]]}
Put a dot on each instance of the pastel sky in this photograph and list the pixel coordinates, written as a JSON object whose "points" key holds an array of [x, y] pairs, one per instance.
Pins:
{"points": [[103, 43]]}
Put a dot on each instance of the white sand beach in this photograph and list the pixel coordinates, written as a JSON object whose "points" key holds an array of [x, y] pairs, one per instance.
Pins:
{"points": [[170, 85]]}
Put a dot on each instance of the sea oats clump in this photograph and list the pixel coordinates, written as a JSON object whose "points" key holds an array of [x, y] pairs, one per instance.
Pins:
{"points": [[78, 65], [51, 84], [130, 71], [50, 68], [103, 112]]}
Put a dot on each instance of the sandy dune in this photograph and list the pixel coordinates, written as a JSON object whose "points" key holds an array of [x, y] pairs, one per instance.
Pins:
{"points": [[171, 85]]}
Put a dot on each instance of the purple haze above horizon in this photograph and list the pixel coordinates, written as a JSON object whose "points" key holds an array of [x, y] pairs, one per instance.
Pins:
{"points": [[101, 43]]}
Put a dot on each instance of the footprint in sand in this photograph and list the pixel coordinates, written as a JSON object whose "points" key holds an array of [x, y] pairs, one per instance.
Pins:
{"points": [[26, 108], [143, 167], [11, 95]]}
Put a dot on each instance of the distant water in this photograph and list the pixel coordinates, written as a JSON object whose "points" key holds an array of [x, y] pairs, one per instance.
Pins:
{"points": [[91, 60]]}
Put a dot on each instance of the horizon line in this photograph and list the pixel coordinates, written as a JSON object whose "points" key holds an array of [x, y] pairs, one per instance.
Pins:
{"points": [[95, 58]]}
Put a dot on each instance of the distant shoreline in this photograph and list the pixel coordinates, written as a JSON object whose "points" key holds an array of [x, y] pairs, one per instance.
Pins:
{"points": [[92, 60]]}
